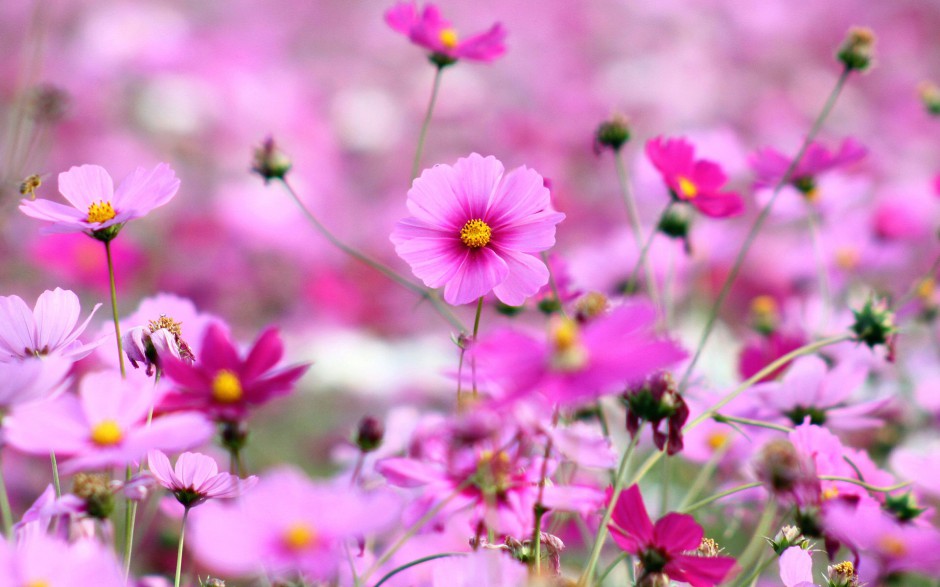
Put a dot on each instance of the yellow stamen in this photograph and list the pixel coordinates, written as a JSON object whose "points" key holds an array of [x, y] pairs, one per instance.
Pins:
{"points": [[717, 440], [106, 433], [764, 305], [448, 38], [847, 258], [166, 323], [830, 493], [925, 289], [569, 354], [226, 388], [476, 233], [687, 188], [299, 536], [39, 583], [892, 545], [812, 195], [100, 211]]}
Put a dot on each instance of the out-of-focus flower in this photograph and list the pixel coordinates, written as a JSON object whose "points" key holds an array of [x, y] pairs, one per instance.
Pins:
{"points": [[576, 363], [269, 161], [474, 230], [489, 567], [26, 381], [857, 51], [287, 526], [654, 400], [874, 324], [930, 96], [48, 329], [670, 547], [149, 345], [225, 386], [612, 133], [103, 425], [39, 559], [196, 478], [97, 208], [697, 182], [771, 165], [430, 30], [761, 351]]}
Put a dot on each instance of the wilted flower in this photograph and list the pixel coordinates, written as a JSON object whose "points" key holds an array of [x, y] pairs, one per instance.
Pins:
{"points": [[151, 345], [654, 400]]}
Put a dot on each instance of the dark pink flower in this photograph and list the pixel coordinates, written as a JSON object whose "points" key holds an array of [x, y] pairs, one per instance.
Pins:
{"points": [[770, 165], [576, 363], [96, 205], [225, 386], [195, 478], [430, 30], [697, 182], [474, 230], [669, 546]]}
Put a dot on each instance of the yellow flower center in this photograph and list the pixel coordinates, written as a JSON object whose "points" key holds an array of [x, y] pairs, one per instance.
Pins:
{"points": [[39, 583], [830, 493], [226, 388], [476, 233], [847, 258], [925, 289], [569, 354], [448, 38], [299, 536], [717, 439], [100, 211], [688, 189], [494, 474], [892, 545], [106, 433]]}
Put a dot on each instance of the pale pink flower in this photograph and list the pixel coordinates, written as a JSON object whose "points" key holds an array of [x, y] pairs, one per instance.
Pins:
{"points": [[195, 478], [50, 328], [97, 206], [474, 230], [39, 559]]}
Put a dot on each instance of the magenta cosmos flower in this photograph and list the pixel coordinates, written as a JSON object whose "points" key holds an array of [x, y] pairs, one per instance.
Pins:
{"points": [[97, 209], [195, 478], [104, 425], [671, 547], [771, 165], [50, 328], [576, 363], [225, 386], [474, 230], [697, 182], [430, 30]]}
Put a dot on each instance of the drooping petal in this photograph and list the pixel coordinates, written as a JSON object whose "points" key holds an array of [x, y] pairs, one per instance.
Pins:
{"points": [[699, 571]]}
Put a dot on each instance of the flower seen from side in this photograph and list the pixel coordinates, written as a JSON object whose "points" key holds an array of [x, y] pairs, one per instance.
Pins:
{"points": [[50, 328], [771, 165], [195, 478], [695, 181], [427, 28], [474, 229]]}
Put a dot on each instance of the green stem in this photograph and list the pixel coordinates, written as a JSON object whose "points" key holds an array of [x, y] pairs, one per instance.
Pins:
{"points": [[759, 223], [114, 308], [424, 293], [476, 330], [416, 562], [130, 517], [416, 164], [539, 510], [721, 419], [867, 486], [753, 551], [631, 283], [601, 536], [704, 475], [751, 579], [179, 550], [717, 496], [55, 474], [5, 507], [635, 225]]}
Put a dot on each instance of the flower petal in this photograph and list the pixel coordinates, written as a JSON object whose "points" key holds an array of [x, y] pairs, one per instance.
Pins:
{"points": [[480, 271], [82, 186]]}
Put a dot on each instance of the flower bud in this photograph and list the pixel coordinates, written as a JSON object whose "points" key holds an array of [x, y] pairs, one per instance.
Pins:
{"points": [[765, 314], [270, 162], [676, 221], [612, 134], [874, 323], [369, 434], [930, 96], [780, 467], [857, 49], [904, 507], [788, 536], [589, 306], [211, 582], [95, 490]]}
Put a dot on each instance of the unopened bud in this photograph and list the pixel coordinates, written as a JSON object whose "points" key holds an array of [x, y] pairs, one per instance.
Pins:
{"points": [[874, 323], [930, 96], [765, 314], [270, 162], [676, 221], [95, 490], [787, 537], [590, 305], [612, 134], [857, 50], [904, 507], [369, 434]]}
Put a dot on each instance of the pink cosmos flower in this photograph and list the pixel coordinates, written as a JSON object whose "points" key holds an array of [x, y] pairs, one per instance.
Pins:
{"points": [[287, 526], [105, 424], [48, 329], [195, 478], [771, 165], [474, 230], [39, 559], [697, 182], [761, 351], [97, 206], [225, 386], [669, 547], [576, 363], [430, 30]]}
